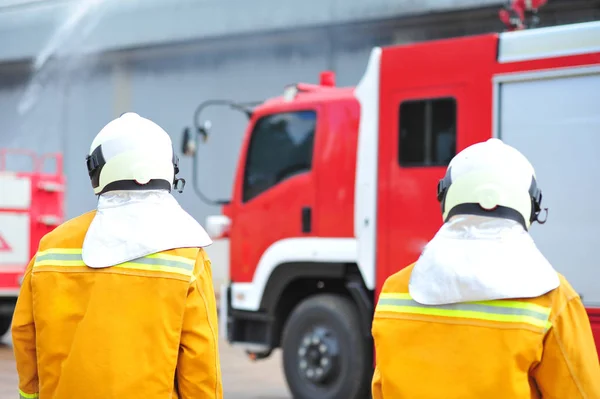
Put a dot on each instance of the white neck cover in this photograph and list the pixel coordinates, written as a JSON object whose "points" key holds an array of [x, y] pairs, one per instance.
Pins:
{"points": [[475, 258], [132, 224]]}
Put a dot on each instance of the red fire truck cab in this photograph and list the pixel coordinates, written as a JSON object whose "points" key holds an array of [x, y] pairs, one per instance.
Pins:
{"points": [[335, 188], [31, 205]]}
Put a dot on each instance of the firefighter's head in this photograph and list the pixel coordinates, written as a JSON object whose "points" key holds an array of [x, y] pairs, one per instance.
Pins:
{"points": [[491, 179], [132, 153]]}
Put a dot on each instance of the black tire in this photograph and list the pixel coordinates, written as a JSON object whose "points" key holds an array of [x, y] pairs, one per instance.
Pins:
{"points": [[5, 323], [335, 323]]}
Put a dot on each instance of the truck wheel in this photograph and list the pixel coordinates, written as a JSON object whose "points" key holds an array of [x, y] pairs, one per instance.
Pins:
{"points": [[325, 355], [5, 322]]}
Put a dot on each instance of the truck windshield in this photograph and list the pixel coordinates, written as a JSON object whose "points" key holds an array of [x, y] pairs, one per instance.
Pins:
{"points": [[281, 146]]}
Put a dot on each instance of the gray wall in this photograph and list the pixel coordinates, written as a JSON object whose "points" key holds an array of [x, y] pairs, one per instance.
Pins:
{"points": [[107, 25], [60, 112]]}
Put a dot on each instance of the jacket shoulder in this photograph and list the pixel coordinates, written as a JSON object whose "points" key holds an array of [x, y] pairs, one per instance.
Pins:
{"points": [[197, 254], [561, 296], [70, 234], [398, 282], [565, 288]]}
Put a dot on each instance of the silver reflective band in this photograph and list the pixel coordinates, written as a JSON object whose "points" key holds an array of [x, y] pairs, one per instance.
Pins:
{"points": [[471, 307], [158, 261], [505, 311], [58, 257]]}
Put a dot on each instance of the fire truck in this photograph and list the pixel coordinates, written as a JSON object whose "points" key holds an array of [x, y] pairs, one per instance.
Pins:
{"points": [[31, 205], [335, 188]]}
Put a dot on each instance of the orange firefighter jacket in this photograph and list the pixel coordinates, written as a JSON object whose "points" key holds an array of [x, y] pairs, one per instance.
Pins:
{"points": [[518, 349], [142, 329]]}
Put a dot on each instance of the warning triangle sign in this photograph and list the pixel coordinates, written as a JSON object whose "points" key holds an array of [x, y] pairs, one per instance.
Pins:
{"points": [[4, 247]]}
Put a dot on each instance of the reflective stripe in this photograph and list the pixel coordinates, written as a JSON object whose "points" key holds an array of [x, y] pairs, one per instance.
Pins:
{"points": [[23, 395], [63, 257], [58, 257], [502, 311]]}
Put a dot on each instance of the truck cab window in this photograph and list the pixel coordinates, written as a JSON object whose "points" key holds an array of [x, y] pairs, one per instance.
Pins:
{"points": [[427, 132], [280, 147]]}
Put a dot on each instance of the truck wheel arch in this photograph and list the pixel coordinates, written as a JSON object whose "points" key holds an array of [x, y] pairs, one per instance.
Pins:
{"points": [[291, 283]]}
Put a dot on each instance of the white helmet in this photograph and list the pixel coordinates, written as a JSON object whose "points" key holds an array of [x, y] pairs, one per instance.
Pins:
{"points": [[491, 179], [133, 153]]}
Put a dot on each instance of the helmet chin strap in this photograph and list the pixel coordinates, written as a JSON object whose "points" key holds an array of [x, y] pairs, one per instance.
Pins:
{"points": [[179, 184], [537, 216]]}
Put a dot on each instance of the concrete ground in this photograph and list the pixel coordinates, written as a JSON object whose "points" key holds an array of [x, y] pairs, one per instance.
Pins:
{"points": [[242, 379]]}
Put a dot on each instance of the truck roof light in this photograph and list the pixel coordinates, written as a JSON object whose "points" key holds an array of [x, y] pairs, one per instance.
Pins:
{"points": [[327, 78], [290, 92]]}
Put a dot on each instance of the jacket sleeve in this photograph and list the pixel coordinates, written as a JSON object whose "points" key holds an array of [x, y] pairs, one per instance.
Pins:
{"points": [[198, 365], [569, 367], [377, 393], [23, 337]]}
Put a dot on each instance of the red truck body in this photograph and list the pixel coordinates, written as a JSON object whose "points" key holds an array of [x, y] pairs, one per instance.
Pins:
{"points": [[354, 198], [31, 205]]}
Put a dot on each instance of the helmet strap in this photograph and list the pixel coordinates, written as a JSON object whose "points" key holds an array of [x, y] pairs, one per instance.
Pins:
{"points": [[535, 193], [96, 161]]}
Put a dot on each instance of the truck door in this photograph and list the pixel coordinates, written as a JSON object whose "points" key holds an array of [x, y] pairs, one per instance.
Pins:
{"points": [[418, 139], [554, 121], [274, 195]]}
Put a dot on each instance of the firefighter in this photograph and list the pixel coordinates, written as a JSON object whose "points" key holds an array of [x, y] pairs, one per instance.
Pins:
{"points": [[119, 302], [482, 313]]}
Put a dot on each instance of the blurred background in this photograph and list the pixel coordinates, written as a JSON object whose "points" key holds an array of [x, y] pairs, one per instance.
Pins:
{"points": [[68, 67]]}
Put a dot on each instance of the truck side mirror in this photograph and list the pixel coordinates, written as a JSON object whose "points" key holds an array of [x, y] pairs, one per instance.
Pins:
{"points": [[204, 129], [188, 144]]}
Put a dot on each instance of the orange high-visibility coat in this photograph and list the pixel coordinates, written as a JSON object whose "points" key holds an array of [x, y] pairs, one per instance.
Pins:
{"points": [[142, 329], [517, 349]]}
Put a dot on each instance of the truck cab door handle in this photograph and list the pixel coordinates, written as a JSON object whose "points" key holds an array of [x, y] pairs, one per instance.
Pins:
{"points": [[306, 219]]}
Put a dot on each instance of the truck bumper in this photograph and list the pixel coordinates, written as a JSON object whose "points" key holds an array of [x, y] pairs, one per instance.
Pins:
{"points": [[223, 310], [251, 330]]}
